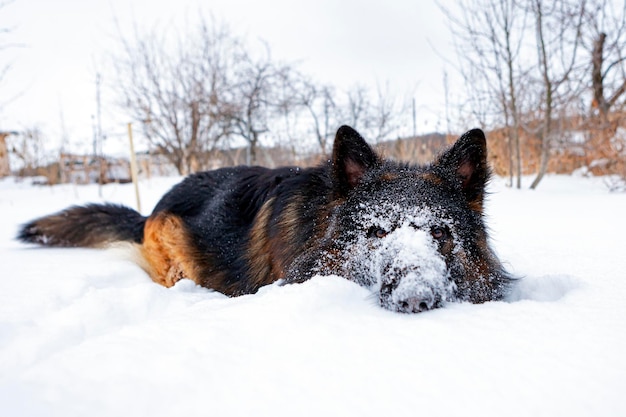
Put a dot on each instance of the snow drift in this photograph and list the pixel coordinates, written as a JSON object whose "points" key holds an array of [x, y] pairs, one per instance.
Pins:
{"points": [[86, 332]]}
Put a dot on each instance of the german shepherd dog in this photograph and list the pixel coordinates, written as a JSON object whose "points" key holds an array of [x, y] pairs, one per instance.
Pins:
{"points": [[412, 234]]}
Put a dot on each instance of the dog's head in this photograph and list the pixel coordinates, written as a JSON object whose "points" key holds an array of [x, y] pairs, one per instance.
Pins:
{"points": [[414, 234]]}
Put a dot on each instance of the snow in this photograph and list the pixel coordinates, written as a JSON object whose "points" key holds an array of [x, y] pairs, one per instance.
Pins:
{"points": [[85, 332]]}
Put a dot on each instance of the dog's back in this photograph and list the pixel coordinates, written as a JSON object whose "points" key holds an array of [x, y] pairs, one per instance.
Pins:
{"points": [[234, 229]]}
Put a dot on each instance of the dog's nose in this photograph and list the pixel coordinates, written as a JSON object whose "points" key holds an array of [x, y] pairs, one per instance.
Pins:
{"points": [[417, 304]]}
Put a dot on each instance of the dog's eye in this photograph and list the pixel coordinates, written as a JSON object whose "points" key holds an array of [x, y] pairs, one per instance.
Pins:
{"points": [[377, 232], [438, 233]]}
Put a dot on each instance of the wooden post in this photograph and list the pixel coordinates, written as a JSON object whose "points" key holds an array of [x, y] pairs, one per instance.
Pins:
{"points": [[5, 168], [133, 165]]}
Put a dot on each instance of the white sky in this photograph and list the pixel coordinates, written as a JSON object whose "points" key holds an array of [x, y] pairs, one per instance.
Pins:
{"points": [[64, 42]]}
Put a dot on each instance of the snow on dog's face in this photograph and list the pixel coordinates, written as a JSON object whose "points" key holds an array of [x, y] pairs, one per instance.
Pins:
{"points": [[405, 238], [413, 234], [401, 255]]}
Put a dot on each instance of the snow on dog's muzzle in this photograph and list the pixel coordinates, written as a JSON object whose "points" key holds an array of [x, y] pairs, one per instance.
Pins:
{"points": [[412, 273]]}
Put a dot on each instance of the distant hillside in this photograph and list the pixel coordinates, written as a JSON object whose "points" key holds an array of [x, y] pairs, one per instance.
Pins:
{"points": [[420, 149]]}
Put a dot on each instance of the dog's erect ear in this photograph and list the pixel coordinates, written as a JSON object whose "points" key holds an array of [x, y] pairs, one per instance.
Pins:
{"points": [[466, 163], [352, 157]]}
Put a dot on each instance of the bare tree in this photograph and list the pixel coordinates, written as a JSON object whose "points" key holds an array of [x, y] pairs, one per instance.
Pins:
{"points": [[602, 100], [249, 103], [174, 84], [520, 94], [3, 44], [558, 37], [320, 103], [28, 148], [384, 114], [5, 67], [5, 168], [289, 109], [377, 116], [488, 37], [605, 41], [605, 38]]}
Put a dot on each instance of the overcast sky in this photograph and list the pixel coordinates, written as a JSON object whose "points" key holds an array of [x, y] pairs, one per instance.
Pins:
{"points": [[63, 43]]}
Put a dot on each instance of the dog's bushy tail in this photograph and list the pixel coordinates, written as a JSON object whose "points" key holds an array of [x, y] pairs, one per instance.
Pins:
{"points": [[90, 226]]}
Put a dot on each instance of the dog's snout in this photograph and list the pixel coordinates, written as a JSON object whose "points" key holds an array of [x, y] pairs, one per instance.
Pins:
{"points": [[417, 284], [417, 303]]}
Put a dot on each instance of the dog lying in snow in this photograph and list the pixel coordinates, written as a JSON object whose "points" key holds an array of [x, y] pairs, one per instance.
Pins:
{"points": [[413, 234]]}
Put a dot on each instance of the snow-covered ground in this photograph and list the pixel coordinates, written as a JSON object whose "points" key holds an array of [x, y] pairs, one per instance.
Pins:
{"points": [[87, 333]]}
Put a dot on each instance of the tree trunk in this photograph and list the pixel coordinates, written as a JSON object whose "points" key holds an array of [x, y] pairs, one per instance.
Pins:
{"points": [[547, 119], [543, 163], [597, 81]]}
